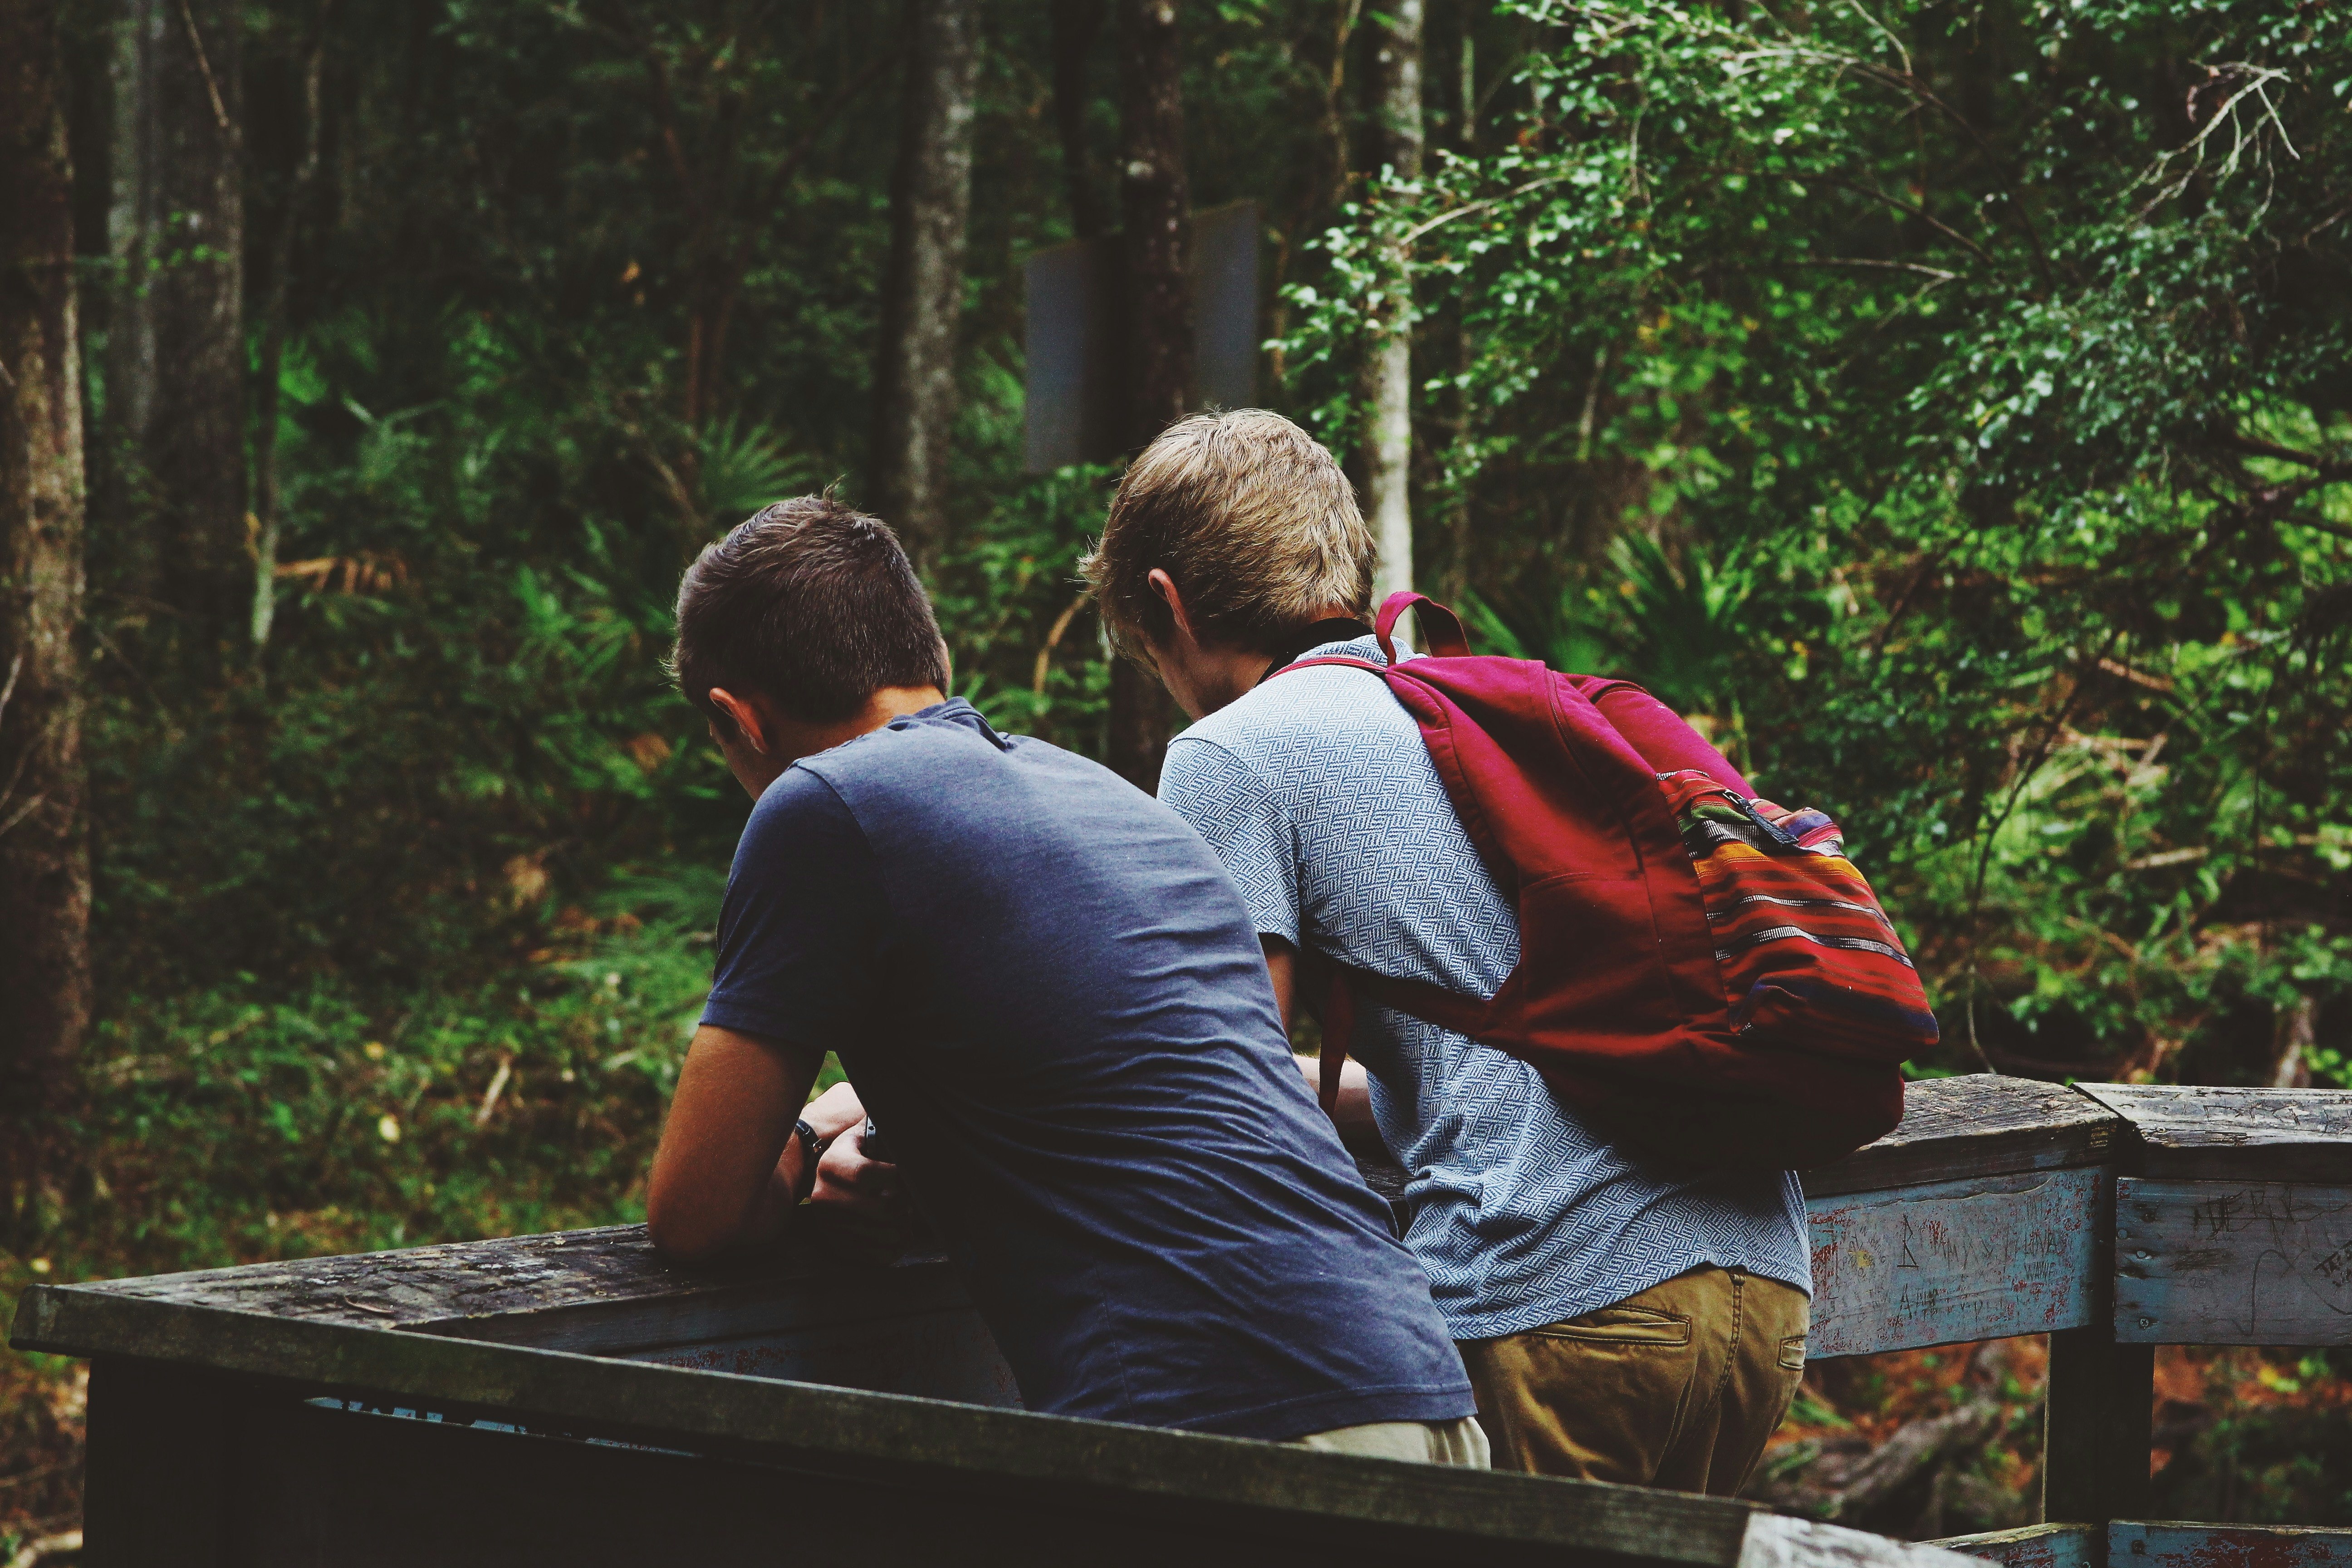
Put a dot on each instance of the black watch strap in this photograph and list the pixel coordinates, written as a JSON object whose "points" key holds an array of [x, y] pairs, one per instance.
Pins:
{"points": [[811, 1150]]}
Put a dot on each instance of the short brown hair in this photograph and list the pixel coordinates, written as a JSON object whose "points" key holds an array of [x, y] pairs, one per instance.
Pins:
{"points": [[1252, 518], [811, 602]]}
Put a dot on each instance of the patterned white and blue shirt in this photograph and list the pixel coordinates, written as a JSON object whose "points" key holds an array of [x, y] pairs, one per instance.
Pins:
{"points": [[1317, 793]]}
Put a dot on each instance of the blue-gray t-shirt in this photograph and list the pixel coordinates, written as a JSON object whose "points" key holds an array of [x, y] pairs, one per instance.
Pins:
{"points": [[1317, 793], [1051, 999]]}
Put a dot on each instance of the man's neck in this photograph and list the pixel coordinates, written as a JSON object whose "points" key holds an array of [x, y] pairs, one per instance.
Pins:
{"points": [[888, 702], [790, 739]]}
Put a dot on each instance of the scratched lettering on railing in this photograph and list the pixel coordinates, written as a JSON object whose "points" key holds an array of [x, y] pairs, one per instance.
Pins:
{"points": [[2336, 1267], [2258, 1263], [1958, 1260]]}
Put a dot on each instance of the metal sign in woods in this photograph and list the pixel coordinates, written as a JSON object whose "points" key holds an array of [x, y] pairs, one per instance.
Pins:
{"points": [[1079, 332]]}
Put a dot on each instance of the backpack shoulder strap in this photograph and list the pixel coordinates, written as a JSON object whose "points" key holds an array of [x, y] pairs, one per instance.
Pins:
{"points": [[1338, 1032], [1440, 627]]}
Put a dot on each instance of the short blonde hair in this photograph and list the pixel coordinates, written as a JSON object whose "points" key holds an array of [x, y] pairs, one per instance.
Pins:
{"points": [[1252, 518]]}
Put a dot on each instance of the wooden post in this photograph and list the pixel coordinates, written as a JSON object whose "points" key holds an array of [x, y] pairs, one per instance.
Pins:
{"points": [[2096, 1422], [157, 1486], [2096, 1430]]}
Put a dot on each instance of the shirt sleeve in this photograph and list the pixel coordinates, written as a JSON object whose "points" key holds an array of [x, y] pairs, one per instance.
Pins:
{"points": [[1230, 806], [800, 931]]}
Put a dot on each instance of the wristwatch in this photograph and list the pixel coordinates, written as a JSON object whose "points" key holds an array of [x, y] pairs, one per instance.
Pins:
{"points": [[814, 1148]]}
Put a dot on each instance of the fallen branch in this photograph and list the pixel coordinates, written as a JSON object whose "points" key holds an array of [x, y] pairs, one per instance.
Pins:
{"points": [[1909, 1453], [46, 1547], [1053, 640], [499, 1081]]}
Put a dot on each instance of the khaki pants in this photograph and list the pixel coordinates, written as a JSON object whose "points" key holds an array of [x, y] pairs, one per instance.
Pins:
{"points": [[1425, 1442], [1676, 1387]]}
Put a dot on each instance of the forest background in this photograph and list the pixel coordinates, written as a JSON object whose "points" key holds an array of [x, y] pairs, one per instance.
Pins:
{"points": [[1947, 403]]}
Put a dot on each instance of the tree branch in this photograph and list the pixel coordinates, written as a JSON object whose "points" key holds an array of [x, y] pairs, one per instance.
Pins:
{"points": [[1975, 249], [220, 109], [2253, 446]]}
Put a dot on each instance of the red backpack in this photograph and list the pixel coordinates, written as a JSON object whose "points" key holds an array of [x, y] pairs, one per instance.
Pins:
{"points": [[1702, 976]]}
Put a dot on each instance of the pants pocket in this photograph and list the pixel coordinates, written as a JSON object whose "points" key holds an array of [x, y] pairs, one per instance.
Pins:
{"points": [[1599, 1397], [1792, 1353], [1621, 1325]]}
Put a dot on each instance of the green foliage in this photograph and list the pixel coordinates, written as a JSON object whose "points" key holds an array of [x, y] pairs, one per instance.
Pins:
{"points": [[245, 1121], [1949, 403]]}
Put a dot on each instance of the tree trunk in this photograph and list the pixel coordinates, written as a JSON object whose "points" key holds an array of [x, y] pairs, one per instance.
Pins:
{"points": [[922, 295], [1075, 25], [1154, 203], [1154, 206], [273, 343], [181, 193], [1453, 61], [122, 505], [1388, 372], [44, 848]]}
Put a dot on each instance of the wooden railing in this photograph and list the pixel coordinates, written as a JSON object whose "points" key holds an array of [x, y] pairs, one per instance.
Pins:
{"points": [[2111, 1217], [2115, 1217]]}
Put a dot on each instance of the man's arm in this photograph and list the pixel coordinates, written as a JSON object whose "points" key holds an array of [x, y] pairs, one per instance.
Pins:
{"points": [[728, 1166], [1353, 1114]]}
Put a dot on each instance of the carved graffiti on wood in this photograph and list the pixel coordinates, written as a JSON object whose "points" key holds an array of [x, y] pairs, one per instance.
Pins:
{"points": [[1953, 1261], [2259, 1263]]}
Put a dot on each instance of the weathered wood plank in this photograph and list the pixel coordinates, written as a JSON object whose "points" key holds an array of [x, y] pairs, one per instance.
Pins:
{"points": [[604, 1290], [873, 1438], [1980, 1124], [2133, 1543], [2096, 1426], [321, 1487], [480, 1280], [1975, 1259], [2034, 1546], [2191, 1132], [937, 1355], [2228, 1263], [1777, 1540]]}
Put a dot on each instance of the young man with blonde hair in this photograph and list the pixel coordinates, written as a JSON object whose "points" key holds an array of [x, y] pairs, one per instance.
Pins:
{"points": [[1620, 1323]]}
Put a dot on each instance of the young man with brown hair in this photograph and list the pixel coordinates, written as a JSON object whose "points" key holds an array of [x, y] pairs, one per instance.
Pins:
{"points": [[1046, 990], [1620, 1323]]}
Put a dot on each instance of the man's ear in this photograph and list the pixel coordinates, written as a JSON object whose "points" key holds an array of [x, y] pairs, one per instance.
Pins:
{"points": [[1165, 586], [744, 717]]}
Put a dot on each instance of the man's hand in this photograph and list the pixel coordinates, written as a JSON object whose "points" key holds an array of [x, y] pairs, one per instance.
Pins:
{"points": [[845, 1178]]}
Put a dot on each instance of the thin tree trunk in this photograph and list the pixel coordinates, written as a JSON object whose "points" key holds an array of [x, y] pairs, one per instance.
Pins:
{"points": [[122, 502], [1453, 61], [187, 447], [1076, 23], [1388, 423], [273, 342], [930, 202], [1154, 206], [1154, 202], [43, 847]]}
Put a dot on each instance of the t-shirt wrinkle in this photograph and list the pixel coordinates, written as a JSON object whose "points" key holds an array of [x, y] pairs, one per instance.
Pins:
{"points": [[1318, 792]]}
